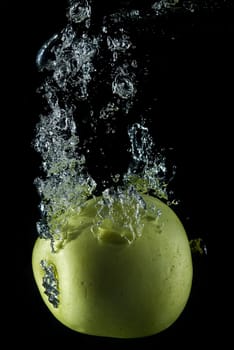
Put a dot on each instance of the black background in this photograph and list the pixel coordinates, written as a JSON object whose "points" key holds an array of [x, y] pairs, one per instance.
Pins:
{"points": [[195, 89]]}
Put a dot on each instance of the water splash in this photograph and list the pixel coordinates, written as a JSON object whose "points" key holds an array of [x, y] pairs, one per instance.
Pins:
{"points": [[67, 58], [119, 213], [83, 58], [147, 172], [67, 184]]}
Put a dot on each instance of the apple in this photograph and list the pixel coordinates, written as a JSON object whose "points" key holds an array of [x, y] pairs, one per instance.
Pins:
{"points": [[99, 284]]}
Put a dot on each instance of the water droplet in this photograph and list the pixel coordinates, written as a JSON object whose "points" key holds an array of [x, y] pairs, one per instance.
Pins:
{"points": [[134, 13], [116, 178], [134, 64], [104, 29], [198, 246]]}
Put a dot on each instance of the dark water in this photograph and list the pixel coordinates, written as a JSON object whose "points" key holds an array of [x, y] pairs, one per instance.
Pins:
{"points": [[191, 115]]}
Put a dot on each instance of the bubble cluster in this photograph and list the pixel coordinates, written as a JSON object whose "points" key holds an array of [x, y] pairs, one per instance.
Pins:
{"points": [[91, 74], [79, 11], [148, 171], [120, 212], [50, 282]]}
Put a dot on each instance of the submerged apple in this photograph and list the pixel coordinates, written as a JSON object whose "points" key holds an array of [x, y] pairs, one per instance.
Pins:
{"points": [[99, 284]]}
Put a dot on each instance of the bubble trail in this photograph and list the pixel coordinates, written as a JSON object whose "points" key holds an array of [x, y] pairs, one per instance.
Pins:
{"points": [[91, 76], [67, 60]]}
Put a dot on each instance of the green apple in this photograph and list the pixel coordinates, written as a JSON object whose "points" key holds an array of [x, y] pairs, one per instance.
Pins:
{"points": [[99, 284]]}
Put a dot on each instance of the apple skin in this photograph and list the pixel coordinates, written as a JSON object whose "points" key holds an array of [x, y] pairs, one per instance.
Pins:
{"points": [[114, 289]]}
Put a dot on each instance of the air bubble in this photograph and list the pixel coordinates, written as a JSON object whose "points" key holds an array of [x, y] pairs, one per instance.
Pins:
{"points": [[79, 11], [45, 56], [104, 29], [134, 64], [123, 85], [108, 111], [119, 44], [134, 13]]}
